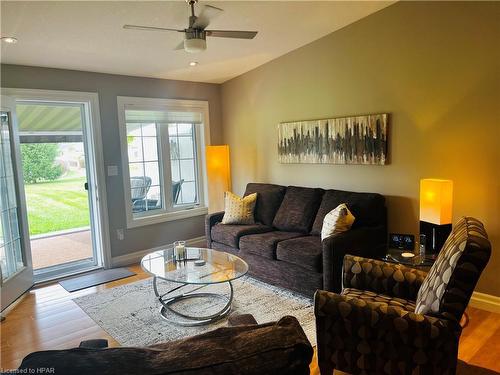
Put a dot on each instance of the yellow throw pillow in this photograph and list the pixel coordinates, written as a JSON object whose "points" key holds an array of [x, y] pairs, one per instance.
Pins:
{"points": [[338, 220], [239, 210]]}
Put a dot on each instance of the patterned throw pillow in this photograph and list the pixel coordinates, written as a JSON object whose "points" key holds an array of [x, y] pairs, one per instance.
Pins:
{"points": [[338, 220], [239, 210]]}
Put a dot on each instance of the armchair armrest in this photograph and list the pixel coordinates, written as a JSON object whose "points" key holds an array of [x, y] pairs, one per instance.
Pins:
{"points": [[363, 241], [357, 336], [391, 279], [210, 221]]}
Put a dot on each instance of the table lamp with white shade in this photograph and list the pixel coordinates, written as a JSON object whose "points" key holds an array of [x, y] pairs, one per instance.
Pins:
{"points": [[436, 198]]}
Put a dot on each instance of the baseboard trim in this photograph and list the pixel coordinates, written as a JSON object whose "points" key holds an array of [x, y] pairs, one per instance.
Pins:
{"points": [[135, 257], [485, 301], [11, 307]]}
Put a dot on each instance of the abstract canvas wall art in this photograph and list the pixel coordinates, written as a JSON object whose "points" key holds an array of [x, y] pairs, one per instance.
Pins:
{"points": [[343, 140]]}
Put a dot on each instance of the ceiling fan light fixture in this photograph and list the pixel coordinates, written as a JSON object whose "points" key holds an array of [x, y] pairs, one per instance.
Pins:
{"points": [[9, 39], [196, 33], [195, 45]]}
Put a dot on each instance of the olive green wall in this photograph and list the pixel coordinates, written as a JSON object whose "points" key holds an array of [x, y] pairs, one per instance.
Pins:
{"points": [[433, 66]]}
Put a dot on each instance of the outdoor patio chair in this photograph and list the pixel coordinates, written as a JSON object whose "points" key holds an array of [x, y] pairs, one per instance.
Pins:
{"points": [[139, 188], [176, 190]]}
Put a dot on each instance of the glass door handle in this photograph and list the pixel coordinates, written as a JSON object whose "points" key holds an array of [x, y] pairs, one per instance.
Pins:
{"points": [[86, 186]]}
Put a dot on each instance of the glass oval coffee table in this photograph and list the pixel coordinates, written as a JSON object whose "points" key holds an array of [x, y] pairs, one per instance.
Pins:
{"points": [[219, 267]]}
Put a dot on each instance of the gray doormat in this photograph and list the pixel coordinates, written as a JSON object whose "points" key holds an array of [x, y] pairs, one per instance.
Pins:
{"points": [[95, 278], [130, 313]]}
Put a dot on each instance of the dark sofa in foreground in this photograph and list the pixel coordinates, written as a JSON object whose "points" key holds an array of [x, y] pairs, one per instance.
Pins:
{"points": [[284, 247], [245, 348]]}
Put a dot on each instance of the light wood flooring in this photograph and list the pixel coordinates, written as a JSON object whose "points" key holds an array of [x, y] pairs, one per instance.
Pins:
{"points": [[47, 318]]}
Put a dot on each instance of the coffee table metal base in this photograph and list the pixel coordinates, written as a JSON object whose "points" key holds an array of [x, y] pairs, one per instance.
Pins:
{"points": [[167, 300]]}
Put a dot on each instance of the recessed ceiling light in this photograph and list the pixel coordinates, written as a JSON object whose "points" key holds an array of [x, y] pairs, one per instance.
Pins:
{"points": [[193, 63], [9, 39]]}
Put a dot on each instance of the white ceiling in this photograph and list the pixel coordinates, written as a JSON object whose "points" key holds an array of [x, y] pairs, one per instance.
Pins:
{"points": [[88, 35]]}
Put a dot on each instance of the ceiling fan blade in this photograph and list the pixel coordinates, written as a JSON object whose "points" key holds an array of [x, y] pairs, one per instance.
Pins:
{"points": [[232, 34], [207, 14], [180, 46], [149, 28]]}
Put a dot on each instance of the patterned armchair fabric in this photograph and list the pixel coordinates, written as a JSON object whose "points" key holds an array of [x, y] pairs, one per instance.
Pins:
{"points": [[395, 280], [362, 334], [452, 279], [376, 325]]}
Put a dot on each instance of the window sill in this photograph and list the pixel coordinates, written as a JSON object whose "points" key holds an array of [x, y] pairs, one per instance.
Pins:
{"points": [[166, 216]]}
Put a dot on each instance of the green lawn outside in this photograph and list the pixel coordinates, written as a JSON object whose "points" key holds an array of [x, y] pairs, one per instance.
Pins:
{"points": [[57, 205]]}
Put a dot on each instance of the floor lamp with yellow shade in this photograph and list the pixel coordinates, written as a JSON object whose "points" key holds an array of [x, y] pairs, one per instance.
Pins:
{"points": [[218, 175]]}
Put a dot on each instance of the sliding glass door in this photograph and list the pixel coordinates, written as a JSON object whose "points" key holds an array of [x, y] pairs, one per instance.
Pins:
{"points": [[16, 271], [58, 186]]}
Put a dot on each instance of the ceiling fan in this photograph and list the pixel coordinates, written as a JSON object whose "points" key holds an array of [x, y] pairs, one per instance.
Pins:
{"points": [[195, 35]]}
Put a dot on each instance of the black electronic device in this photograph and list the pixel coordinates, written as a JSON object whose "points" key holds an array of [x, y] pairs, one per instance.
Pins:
{"points": [[402, 241]]}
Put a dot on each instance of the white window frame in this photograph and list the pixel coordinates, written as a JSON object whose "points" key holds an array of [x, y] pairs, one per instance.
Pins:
{"points": [[168, 212]]}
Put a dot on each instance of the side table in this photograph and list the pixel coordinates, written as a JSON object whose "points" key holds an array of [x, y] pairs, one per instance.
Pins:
{"points": [[395, 256]]}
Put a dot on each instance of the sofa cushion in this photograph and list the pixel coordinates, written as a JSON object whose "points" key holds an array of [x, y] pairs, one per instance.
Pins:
{"points": [[269, 199], [368, 208], [298, 209], [271, 348], [305, 252], [264, 244], [230, 235]]}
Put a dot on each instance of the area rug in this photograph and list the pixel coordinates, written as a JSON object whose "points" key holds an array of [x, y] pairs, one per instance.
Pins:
{"points": [[130, 313]]}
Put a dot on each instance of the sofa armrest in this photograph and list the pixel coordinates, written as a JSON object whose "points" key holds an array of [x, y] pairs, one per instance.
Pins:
{"points": [[357, 336], [363, 241], [395, 280], [236, 319], [210, 221]]}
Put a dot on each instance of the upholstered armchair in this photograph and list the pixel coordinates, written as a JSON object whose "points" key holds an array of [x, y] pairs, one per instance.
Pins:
{"points": [[393, 319]]}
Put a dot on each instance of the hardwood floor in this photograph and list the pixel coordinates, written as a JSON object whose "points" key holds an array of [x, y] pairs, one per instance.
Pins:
{"points": [[47, 318]]}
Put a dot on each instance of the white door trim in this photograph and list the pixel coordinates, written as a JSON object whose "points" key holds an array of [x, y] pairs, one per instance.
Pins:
{"points": [[92, 99], [17, 284]]}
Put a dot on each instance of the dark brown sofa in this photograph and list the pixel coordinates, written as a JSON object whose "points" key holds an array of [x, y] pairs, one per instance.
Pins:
{"points": [[284, 247], [246, 349]]}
